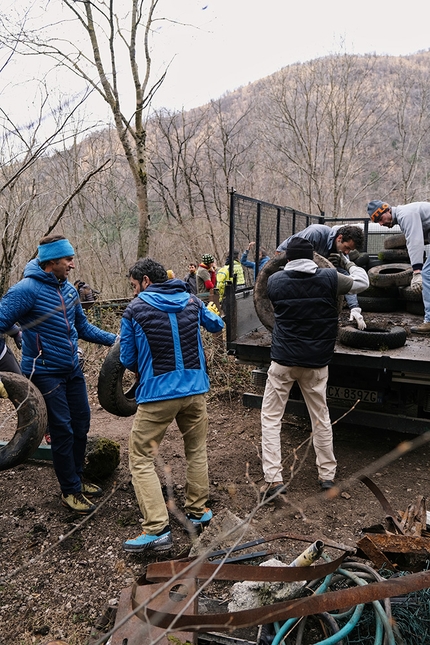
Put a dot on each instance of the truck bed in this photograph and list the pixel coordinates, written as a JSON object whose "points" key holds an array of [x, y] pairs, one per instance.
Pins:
{"points": [[254, 347], [393, 385]]}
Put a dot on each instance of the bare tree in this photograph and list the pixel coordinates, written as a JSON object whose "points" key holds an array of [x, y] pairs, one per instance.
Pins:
{"points": [[23, 179], [409, 97], [196, 157], [106, 33], [320, 121]]}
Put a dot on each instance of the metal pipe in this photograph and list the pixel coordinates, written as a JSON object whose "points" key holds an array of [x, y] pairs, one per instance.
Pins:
{"points": [[309, 555]]}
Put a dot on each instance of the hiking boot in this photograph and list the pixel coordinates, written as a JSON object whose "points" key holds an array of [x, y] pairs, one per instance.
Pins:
{"points": [[268, 491], [162, 541], [326, 484], [199, 523], [78, 503], [90, 490], [424, 328]]}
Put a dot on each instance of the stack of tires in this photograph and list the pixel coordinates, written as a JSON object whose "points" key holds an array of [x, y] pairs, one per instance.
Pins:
{"points": [[389, 288]]}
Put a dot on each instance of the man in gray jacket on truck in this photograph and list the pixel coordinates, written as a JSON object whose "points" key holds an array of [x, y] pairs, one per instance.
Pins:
{"points": [[330, 242], [304, 298], [414, 221]]}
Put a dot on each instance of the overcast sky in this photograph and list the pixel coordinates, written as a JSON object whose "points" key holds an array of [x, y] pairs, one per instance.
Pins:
{"points": [[238, 41], [228, 43]]}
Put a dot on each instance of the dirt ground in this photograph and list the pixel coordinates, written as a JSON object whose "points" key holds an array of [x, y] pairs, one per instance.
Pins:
{"points": [[52, 588]]}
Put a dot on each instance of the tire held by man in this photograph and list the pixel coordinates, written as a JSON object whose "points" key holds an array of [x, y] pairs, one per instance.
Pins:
{"points": [[32, 420], [262, 304], [113, 397]]}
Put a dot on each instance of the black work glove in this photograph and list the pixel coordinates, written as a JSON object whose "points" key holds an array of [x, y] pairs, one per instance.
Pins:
{"points": [[334, 258]]}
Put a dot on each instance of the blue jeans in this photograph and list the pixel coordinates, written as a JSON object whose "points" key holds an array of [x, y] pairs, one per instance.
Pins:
{"points": [[69, 422], [351, 298], [426, 289]]}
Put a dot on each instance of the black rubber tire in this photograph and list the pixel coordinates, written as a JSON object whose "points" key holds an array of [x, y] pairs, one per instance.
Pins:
{"points": [[372, 337], [394, 255], [390, 275], [397, 241], [262, 303], [32, 420], [112, 396], [374, 262], [378, 292], [414, 307], [368, 303], [410, 295], [362, 260]]}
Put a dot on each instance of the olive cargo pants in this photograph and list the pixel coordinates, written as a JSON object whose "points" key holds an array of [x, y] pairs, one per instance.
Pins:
{"points": [[149, 427]]}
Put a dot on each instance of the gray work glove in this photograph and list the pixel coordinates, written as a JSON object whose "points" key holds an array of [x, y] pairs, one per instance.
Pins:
{"points": [[355, 315], [345, 261], [417, 282], [354, 255], [334, 258]]}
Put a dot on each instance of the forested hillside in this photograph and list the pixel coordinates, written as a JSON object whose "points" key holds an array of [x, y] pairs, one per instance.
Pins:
{"points": [[327, 135]]}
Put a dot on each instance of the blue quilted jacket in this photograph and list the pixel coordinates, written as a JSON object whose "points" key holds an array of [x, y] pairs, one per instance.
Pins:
{"points": [[52, 320], [160, 339]]}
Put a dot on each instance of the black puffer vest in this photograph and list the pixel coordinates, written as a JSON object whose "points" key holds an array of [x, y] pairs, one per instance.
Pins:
{"points": [[306, 317]]}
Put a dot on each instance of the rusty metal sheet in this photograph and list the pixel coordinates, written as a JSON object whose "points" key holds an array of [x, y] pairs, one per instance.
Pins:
{"points": [[389, 512], [374, 553], [137, 629], [401, 543], [342, 599]]}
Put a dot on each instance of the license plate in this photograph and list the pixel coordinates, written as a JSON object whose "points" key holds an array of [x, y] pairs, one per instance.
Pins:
{"points": [[353, 394]]}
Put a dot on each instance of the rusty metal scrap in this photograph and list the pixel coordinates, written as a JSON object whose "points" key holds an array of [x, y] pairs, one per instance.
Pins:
{"points": [[410, 537], [316, 604], [414, 518], [138, 629], [166, 598]]}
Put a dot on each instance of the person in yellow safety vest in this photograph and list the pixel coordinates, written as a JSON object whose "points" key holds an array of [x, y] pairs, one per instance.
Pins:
{"points": [[224, 274]]}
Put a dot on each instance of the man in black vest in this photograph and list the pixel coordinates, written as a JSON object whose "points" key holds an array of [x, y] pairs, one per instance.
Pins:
{"points": [[304, 298]]}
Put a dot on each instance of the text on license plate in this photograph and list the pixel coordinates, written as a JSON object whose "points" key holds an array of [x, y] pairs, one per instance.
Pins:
{"points": [[352, 394]]}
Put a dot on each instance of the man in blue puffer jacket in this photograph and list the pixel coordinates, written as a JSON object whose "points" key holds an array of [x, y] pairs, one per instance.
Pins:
{"points": [[161, 342], [49, 311]]}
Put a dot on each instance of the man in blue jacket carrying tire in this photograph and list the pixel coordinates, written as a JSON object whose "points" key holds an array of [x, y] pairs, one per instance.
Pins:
{"points": [[49, 311], [161, 342]]}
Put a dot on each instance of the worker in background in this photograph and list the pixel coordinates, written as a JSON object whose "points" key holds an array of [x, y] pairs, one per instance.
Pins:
{"points": [[191, 277], [263, 258], [330, 242], [206, 274], [414, 222], [223, 274]]}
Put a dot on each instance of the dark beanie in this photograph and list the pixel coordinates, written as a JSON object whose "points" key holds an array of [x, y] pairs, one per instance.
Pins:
{"points": [[376, 209], [299, 248]]}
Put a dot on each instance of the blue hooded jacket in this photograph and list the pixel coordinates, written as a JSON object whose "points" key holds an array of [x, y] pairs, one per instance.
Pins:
{"points": [[52, 320], [161, 340]]}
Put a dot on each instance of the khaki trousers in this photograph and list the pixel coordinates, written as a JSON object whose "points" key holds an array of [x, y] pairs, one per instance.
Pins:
{"points": [[313, 385], [149, 427]]}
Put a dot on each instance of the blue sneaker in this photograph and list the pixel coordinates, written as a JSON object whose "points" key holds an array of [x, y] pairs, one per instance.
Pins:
{"points": [[145, 542], [198, 523]]}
